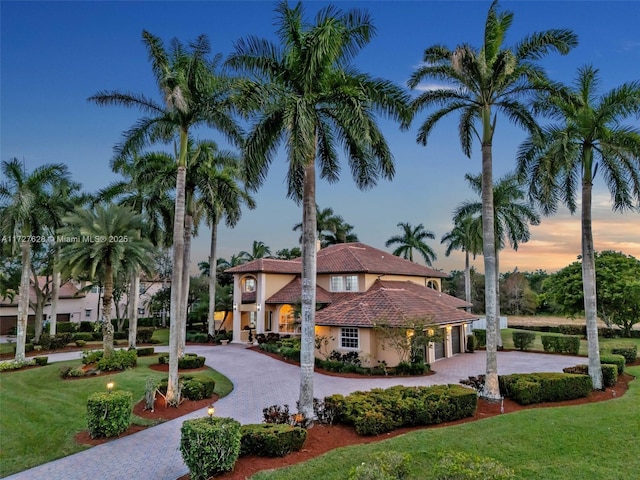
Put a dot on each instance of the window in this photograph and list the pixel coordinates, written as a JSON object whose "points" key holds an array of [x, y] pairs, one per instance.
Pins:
{"points": [[349, 338], [249, 285], [348, 283], [87, 313]]}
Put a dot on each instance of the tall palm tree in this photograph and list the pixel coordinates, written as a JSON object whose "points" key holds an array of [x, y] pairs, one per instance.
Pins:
{"points": [[222, 195], [22, 199], [193, 94], [512, 216], [589, 137], [466, 236], [412, 238], [258, 250], [107, 244], [343, 234], [154, 204], [483, 82], [305, 92], [330, 228]]}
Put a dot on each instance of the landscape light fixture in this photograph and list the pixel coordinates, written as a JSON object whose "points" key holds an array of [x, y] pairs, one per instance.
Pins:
{"points": [[110, 386], [210, 411]]}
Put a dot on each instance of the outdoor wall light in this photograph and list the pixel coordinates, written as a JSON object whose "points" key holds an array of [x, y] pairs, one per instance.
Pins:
{"points": [[258, 307], [235, 306], [109, 386], [211, 410]]}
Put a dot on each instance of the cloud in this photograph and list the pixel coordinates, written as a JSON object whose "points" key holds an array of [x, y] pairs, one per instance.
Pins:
{"points": [[630, 45], [430, 87]]}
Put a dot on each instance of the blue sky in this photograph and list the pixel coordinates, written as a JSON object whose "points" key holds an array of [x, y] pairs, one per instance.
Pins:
{"points": [[54, 55]]}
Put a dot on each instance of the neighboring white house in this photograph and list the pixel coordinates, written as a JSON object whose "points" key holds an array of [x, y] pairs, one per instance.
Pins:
{"points": [[76, 304]]}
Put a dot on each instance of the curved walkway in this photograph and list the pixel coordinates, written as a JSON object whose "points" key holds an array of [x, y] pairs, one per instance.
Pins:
{"points": [[259, 381]]}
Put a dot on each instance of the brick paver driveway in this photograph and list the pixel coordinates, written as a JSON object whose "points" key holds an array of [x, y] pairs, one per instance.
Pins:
{"points": [[259, 381]]}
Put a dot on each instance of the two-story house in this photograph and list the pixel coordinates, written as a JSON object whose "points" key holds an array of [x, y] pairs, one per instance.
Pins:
{"points": [[357, 286]]}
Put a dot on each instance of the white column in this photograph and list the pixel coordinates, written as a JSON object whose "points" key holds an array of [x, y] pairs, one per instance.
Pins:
{"points": [[260, 306], [237, 302], [448, 349]]}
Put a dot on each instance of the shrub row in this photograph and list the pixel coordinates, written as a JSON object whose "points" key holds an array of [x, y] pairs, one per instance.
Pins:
{"points": [[189, 361], [109, 414], [617, 360], [523, 340], [629, 352], [530, 388], [13, 365], [570, 329], [119, 360], [379, 411], [609, 373], [193, 387], [145, 351], [271, 440], [566, 344]]}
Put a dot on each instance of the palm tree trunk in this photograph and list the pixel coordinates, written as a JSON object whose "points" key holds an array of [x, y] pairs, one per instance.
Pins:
{"points": [[498, 331], [134, 295], [186, 280], [307, 345], [589, 285], [23, 302], [173, 391], [55, 293], [492, 388], [107, 326], [467, 279], [212, 278]]}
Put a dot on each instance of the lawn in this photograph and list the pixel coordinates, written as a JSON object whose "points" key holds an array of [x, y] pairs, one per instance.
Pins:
{"points": [[594, 441], [40, 413]]}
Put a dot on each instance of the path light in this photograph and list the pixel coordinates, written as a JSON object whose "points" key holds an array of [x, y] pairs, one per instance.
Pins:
{"points": [[210, 411], [110, 386]]}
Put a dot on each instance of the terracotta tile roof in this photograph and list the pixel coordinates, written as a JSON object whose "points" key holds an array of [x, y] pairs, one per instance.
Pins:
{"points": [[344, 258], [292, 292], [394, 302], [67, 290], [268, 265]]}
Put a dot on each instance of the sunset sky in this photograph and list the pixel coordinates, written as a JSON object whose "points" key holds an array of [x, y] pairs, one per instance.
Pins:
{"points": [[54, 55]]}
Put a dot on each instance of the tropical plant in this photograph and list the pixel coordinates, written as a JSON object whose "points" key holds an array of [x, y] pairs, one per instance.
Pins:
{"points": [[258, 250], [330, 228], [304, 91], [105, 243], [289, 254], [466, 235], [23, 197], [511, 214], [412, 238], [479, 82], [589, 136], [193, 94]]}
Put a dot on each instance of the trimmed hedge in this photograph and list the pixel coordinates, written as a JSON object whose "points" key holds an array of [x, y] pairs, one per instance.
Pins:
{"points": [[629, 352], [471, 343], [66, 327], [109, 414], [119, 360], [380, 411], [209, 446], [566, 344], [609, 373], [529, 388], [189, 361], [523, 340], [271, 440], [145, 351], [143, 335], [41, 361], [85, 336], [481, 337], [617, 360], [193, 387]]}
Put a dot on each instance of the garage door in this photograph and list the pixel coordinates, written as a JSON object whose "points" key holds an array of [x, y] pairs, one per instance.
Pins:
{"points": [[439, 349], [455, 340]]}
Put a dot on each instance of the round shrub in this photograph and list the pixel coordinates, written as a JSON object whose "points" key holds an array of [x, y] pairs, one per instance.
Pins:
{"points": [[271, 440], [209, 446], [193, 390], [523, 340], [108, 414], [41, 361]]}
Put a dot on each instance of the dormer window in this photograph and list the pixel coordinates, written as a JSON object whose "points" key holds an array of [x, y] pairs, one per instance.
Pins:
{"points": [[344, 283], [249, 285]]}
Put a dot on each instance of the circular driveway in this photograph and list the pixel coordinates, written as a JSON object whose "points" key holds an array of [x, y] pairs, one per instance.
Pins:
{"points": [[259, 381]]}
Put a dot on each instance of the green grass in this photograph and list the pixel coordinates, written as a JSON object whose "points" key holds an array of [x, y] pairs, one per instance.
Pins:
{"points": [[40, 413], [594, 441], [161, 335]]}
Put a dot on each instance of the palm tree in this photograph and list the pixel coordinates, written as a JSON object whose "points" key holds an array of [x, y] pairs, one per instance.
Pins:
{"points": [[466, 236], [512, 216], [412, 238], [193, 94], [154, 204], [22, 200], [481, 81], [258, 250], [305, 92], [106, 243], [589, 137], [330, 228], [343, 234]]}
